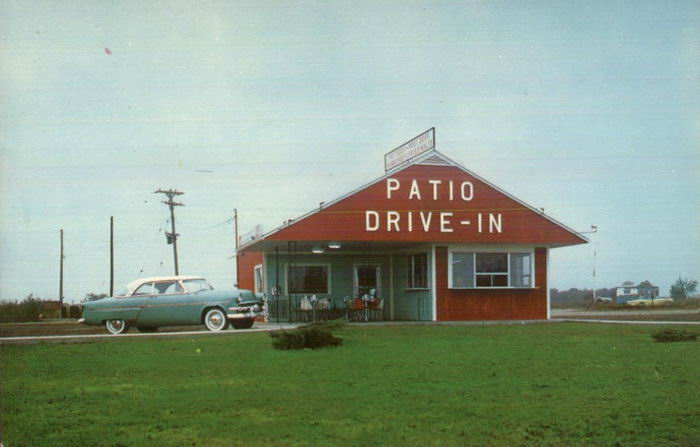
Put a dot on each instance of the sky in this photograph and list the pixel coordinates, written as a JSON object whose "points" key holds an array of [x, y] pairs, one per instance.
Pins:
{"points": [[590, 110]]}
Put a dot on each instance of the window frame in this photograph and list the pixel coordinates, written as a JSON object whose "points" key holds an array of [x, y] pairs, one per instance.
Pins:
{"points": [[179, 285], [476, 274], [258, 283], [134, 294], [329, 287], [183, 283], [474, 251], [410, 284]]}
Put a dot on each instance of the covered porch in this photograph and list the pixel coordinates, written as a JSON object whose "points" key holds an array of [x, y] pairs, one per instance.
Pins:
{"points": [[356, 281]]}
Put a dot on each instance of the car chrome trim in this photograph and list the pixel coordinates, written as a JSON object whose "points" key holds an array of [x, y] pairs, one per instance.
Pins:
{"points": [[81, 320], [238, 316]]}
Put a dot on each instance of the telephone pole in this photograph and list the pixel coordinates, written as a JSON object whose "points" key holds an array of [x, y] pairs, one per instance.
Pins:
{"points": [[235, 242], [111, 256], [172, 237], [60, 281]]}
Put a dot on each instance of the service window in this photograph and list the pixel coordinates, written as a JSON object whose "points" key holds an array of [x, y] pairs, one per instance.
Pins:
{"points": [[490, 270], [308, 279], [418, 271]]}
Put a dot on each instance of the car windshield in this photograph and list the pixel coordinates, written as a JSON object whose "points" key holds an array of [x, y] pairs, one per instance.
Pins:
{"points": [[196, 285]]}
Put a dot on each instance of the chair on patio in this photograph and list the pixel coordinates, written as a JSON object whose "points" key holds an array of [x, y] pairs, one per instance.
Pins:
{"points": [[376, 309]]}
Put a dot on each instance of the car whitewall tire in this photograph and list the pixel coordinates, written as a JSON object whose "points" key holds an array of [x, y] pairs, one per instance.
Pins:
{"points": [[215, 320], [116, 327]]}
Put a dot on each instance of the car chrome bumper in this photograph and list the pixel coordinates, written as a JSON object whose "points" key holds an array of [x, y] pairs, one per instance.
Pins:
{"points": [[241, 312], [241, 315], [81, 320]]}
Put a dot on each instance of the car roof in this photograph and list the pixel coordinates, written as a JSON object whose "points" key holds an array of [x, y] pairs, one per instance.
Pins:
{"points": [[135, 284]]}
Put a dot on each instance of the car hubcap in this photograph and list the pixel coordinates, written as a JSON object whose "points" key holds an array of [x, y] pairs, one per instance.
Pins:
{"points": [[215, 320], [116, 325]]}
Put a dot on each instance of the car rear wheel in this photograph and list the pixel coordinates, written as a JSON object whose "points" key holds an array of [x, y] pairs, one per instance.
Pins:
{"points": [[242, 323], [147, 329], [215, 320], [116, 327]]}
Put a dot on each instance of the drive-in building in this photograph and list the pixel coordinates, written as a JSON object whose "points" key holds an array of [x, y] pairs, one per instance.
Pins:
{"points": [[428, 240]]}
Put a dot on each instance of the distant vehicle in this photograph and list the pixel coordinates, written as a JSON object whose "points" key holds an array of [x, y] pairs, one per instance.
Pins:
{"points": [[603, 299], [643, 302], [151, 303]]}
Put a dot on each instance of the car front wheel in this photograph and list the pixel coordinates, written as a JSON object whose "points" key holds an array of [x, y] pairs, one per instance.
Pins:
{"points": [[215, 320], [116, 327]]}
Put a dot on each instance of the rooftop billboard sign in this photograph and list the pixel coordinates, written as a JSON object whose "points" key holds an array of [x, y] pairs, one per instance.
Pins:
{"points": [[410, 149]]}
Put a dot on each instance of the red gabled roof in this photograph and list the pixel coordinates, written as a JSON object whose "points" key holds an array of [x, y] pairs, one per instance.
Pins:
{"points": [[420, 213]]}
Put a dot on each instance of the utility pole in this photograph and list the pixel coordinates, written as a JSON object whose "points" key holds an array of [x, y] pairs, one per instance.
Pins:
{"points": [[594, 229], [172, 237], [235, 226], [60, 280], [111, 256], [235, 235]]}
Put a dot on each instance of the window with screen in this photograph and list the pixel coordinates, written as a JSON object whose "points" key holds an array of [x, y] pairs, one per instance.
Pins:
{"points": [[308, 279]]}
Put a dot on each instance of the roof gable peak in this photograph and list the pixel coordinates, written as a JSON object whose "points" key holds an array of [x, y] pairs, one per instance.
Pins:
{"points": [[432, 157]]}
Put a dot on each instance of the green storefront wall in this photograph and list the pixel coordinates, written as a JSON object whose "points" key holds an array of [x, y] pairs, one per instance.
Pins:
{"points": [[408, 304]]}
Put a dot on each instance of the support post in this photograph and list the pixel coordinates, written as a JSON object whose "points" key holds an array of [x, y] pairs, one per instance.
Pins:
{"points": [[111, 256], [60, 280], [235, 243]]}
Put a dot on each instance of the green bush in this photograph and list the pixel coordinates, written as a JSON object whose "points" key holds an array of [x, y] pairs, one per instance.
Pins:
{"points": [[21, 311], [311, 336], [670, 335], [75, 311]]}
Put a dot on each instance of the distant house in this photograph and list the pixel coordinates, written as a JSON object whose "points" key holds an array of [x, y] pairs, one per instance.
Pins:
{"points": [[629, 291]]}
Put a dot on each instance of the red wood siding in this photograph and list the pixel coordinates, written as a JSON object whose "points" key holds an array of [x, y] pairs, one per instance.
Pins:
{"points": [[246, 262], [495, 304], [345, 220]]}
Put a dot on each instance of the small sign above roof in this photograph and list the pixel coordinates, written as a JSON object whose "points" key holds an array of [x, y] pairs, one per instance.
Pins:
{"points": [[410, 149]]}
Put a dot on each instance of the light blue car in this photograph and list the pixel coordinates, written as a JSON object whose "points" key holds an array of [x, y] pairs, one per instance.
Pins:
{"points": [[151, 303]]}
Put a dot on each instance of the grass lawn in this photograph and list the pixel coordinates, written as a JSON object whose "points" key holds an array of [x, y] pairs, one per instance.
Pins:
{"points": [[542, 384]]}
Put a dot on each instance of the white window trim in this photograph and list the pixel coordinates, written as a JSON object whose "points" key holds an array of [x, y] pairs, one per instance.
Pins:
{"points": [[427, 271], [308, 264], [257, 286], [475, 250]]}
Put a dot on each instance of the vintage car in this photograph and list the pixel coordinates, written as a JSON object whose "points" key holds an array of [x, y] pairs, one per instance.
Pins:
{"points": [[151, 303]]}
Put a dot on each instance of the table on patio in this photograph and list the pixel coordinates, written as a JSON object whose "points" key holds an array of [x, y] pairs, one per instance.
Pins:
{"points": [[358, 309]]}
